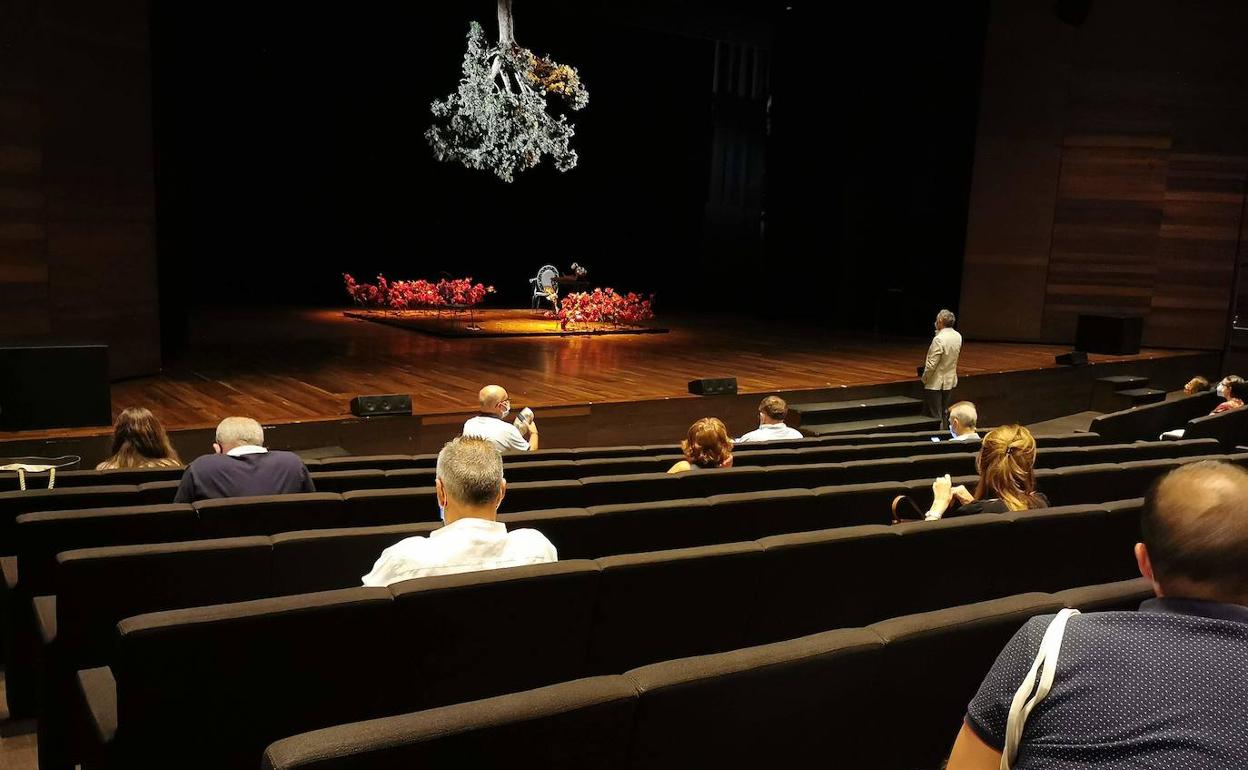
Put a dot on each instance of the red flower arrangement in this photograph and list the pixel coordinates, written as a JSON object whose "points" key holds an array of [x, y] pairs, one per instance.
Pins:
{"points": [[407, 295], [603, 306]]}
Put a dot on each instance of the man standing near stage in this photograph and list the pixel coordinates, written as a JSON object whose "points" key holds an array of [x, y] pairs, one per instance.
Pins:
{"points": [[940, 370]]}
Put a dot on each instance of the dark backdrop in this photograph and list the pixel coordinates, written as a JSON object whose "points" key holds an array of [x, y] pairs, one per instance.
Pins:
{"points": [[289, 149]]}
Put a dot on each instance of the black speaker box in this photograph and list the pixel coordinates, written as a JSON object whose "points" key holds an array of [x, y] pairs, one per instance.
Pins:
{"points": [[54, 386], [1116, 335], [1073, 358], [376, 406], [713, 386]]}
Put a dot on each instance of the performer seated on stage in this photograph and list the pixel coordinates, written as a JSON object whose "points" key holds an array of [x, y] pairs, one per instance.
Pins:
{"points": [[707, 446], [489, 425], [771, 413]]}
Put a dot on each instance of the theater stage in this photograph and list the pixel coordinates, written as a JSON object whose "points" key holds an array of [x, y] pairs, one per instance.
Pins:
{"points": [[297, 370], [481, 323]]}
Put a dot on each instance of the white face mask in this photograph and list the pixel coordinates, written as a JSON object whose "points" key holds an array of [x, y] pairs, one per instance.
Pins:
{"points": [[953, 432], [506, 411]]}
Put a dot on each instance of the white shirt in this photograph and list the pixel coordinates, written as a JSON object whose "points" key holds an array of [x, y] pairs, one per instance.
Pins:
{"points": [[465, 545], [246, 449], [972, 436], [504, 435], [776, 432]]}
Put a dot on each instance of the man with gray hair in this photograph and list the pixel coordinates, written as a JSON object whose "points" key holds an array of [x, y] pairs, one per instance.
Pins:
{"points": [[470, 486], [962, 420], [240, 466], [940, 369]]}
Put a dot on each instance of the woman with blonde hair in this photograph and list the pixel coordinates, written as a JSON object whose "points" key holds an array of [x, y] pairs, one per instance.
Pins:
{"points": [[140, 441], [1007, 477], [706, 446]]}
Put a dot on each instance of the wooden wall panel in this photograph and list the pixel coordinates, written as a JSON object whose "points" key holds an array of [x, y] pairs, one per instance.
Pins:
{"points": [[1199, 235], [1151, 135], [1103, 255]]}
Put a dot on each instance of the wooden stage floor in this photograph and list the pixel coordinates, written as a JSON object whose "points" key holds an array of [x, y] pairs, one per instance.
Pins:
{"points": [[303, 365]]}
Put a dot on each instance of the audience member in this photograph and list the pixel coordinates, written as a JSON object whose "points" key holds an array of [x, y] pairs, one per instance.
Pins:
{"points": [[490, 425], [1195, 385], [1007, 477], [940, 369], [771, 413], [1232, 389], [962, 419], [470, 486], [1162, 687], [242, 467], [140, 441], [707, 446]]}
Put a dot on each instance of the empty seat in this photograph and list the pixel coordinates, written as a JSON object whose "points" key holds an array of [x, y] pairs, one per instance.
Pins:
{"points": [[255, 671], [610, 466], [539, 495], [751, 515], [1124, 595], [629, 488], [570, 530], [455, 630], [325, 559], [945, 563], [813, 581], [376, 507], [654, 606], [638, 527], [269, 514], [931, 666], [14, 504], [347, 480], [585, 723], [374, 462], [540, 471], [776, 705], [407, 478]]}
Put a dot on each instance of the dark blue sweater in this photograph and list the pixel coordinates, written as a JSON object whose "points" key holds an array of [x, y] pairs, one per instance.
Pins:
{"points": [[220, 475]]}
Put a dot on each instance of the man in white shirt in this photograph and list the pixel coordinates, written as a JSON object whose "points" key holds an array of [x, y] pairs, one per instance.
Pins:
{"points": [[771, 427], [940, 369], [962, 420], [489, 425], [470, 487]]}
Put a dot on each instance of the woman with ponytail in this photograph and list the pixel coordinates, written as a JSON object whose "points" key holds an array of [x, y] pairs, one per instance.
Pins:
{"points": [[1007, 477]]}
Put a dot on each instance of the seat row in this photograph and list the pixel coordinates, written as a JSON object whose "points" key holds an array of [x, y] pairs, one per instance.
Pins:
{"points": [[213, 686], [345, 554], [618, 487], [527, 466], [889, 696]]}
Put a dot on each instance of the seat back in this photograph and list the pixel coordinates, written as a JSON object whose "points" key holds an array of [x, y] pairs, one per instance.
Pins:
{"points": [[269, 514], [326, 559]]}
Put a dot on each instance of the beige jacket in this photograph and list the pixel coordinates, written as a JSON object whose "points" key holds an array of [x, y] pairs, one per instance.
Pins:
{"points": [[940, 370]]}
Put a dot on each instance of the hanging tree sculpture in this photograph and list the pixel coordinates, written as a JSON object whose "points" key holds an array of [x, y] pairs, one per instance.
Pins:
{"points": [[497, 120]]}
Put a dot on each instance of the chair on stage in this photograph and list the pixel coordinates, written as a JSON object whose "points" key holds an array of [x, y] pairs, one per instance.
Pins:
{"points": [[546, 286]]}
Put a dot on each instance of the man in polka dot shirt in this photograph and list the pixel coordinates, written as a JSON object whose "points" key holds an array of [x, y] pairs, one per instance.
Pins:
{"points": [[1165, 687]]}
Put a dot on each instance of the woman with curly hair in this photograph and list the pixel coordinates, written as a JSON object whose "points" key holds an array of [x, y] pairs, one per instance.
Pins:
{"points": [[1007, 477], [707, 446]]}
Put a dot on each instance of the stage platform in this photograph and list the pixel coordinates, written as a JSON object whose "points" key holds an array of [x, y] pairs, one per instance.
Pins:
{"points": [[482, 323], [296, 370]]}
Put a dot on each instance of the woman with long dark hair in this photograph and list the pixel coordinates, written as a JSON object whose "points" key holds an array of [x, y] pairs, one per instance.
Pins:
{"points": [[140, 441]]}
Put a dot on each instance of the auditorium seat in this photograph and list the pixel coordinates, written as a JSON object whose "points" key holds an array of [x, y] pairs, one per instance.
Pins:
{"points": [[664, 604], [1229, 428], [405, 478], [570, 530], [327, 559], [639, 527], [1070, 545], [794, 703], [467, 625], [1150, 421], [585, 723], [14, 504], [270, 514], [931, 666], [369, 462], [1121, 596], [347, 480], [546, 470], [391, 506]]}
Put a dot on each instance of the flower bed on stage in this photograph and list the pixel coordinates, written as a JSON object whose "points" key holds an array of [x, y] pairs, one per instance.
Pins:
{"points": [[418, 294], [602, 307]]}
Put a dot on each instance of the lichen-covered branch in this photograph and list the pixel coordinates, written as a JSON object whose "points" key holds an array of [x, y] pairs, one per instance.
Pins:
{"points": [[488, 124]]}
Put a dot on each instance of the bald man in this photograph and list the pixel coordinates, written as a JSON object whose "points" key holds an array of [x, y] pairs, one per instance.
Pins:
{"points": [[1163, 687], [489, 425]]}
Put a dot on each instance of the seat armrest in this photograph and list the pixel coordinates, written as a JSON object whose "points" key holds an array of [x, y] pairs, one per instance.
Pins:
{"points": [[45, 618], [98, 691], [8, 565]]}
